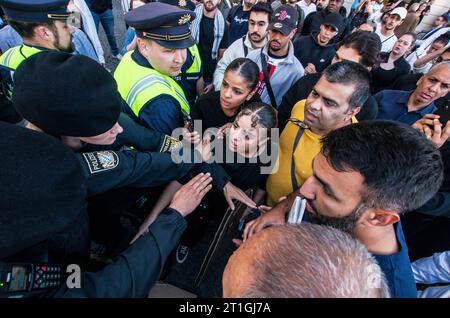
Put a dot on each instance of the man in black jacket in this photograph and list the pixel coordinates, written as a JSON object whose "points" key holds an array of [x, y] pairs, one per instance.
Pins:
{"points": [[44, 197], [83, 109], [315, 51], [314, 20]]}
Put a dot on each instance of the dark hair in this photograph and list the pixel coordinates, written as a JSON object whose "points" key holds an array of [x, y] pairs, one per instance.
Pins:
{"points": [[262, 7], [443, 38], [445, 17], [26, 29], [402, 170], [367, 44], [414, 37], [261, 114], [247, 69], [350, 73]]}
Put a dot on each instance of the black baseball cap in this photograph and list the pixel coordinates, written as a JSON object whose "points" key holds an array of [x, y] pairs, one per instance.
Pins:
{"points": [[335, 20], [284, 19]]}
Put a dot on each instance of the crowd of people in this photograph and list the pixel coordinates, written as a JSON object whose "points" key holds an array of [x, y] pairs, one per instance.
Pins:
{"points": [[120, 171]]}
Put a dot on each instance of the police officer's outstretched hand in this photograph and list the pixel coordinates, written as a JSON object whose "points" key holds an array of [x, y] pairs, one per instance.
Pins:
{"points": [[191, 194], [185, 200]]}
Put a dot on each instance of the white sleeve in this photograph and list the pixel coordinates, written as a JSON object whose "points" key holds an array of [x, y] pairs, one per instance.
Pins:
{"points": [[90, 29], [125, 5], [433, 269], [375, 17], [425, 44]]}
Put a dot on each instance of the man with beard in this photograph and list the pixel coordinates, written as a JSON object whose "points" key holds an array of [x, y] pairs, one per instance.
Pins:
{"points": [[211, 34], [334, 101], [238, 19], [42, 24], [315, 20], [255, 38], [45, 200], [321, 4], [408, 107], [279, 67], [364, 177], [386, 30]]}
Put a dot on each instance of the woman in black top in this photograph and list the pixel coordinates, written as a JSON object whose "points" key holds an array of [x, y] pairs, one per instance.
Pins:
{"points": [[241, 157], [393, 64], [216, 109]]}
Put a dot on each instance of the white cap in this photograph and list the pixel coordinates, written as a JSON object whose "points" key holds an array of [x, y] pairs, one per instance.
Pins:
{"points": [[400, 11]]}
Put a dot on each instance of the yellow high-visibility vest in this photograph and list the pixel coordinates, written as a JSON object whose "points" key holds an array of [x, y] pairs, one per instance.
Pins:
{"points": [[138, 84], [13, 57]]}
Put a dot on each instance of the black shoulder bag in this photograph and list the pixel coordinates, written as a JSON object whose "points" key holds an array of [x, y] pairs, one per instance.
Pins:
{"points": [[273, 101]]}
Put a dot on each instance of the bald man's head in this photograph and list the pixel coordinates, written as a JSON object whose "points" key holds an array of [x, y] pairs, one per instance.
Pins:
{"points": [[303, 261], [433, 85], [239, 272]]}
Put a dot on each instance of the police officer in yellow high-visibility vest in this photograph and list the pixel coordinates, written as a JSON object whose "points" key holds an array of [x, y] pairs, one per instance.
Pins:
{"points": [[42, 24], [144, 76]]}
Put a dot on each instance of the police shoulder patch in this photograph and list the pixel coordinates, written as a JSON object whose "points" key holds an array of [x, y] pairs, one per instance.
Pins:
{"points": [[99, 161], [169, 144]]}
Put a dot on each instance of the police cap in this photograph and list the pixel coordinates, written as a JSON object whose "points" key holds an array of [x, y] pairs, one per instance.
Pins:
{"points": [[166, 24], [35, 10]]}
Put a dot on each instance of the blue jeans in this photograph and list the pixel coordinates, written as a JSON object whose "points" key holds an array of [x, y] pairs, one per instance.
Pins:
{"points": [[107, 20]]}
